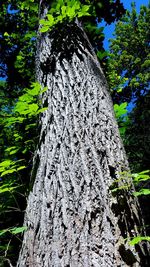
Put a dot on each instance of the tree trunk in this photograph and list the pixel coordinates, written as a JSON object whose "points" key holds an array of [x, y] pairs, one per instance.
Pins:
{"points": [[72, 218]]}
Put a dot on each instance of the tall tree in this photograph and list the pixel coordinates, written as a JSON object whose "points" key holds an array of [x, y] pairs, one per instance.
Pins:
{"points": [[72, 217], [129, 78], [18, 26], [129, 61]]}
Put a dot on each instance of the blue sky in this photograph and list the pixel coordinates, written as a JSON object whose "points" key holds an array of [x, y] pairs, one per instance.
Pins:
{"points": [[110, 28]]}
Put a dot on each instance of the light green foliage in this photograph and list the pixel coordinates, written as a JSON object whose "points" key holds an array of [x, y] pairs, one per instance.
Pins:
{"points": [[143, 191], [7, 188], [120, 110], [62, 10], [14, 230], [138, 239], [124, 182], [121, 116], [142, 179], [10, 166], [126, 179], [27, 106], [141, 176], [21, 121]]}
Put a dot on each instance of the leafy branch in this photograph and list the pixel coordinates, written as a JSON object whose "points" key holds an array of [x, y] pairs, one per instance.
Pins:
{"points": [[62, 10]]}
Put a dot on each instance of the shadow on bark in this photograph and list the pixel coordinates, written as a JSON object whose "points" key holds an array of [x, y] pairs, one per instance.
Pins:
{"points": [[131, 224]]}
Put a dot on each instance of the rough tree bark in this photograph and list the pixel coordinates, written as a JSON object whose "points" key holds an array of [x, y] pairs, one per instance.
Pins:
{"points": [[72, 218]]}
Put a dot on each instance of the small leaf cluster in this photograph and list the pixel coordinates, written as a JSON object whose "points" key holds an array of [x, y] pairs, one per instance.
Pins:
{"points": [[10, 166], [138, 239], [23, 114], [142, 179], [122, 117], [63, 10], [27, 104], [128, 178], [14, 231]]}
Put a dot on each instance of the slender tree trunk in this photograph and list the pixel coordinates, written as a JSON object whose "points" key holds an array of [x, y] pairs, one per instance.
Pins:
{"points": [[72, 218]]}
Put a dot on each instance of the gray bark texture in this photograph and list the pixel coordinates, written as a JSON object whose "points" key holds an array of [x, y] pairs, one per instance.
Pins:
{"points": [[72, 217]]}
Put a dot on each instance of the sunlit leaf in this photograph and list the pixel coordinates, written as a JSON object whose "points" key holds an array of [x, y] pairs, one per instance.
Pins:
{"points": [[18, 230], [138, 239], [143, 191], [21, 168]]}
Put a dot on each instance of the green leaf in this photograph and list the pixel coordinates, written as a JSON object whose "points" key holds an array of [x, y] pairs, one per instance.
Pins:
{"points": [[143, 191], [17, 137], [70, 12], [14, 231], [141, 176], [21, 107], [63, 11], [18, 230], [21, 168], [84, 11], [138, 239], [36, 89], [42, 110], [32, 125], [43, 22], [6, 34], [101, 55], [6, 163], [2, 232], [146, 171], [8, 172], [7, 188], [13, 120], [124, 187], [120, 110], [26, 98], [33, 109], [50, 19], [122, 130], [44, 90], [44, 29], [19, 57], [12, 150]]}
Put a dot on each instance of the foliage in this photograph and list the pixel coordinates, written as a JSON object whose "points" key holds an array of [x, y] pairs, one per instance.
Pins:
{"points": [[14, 231], [18, 26], [138, 239], [142, 179], [126, 180], [121, 116], [128, 77], [15, 168], [62, 10], [129, 60]]}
